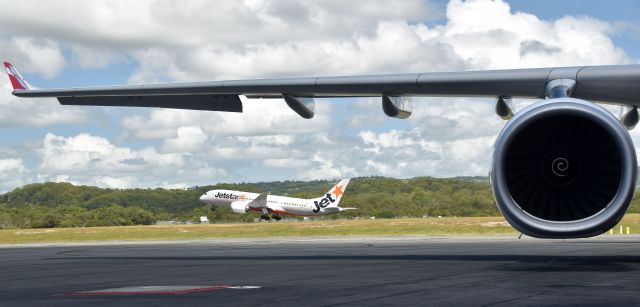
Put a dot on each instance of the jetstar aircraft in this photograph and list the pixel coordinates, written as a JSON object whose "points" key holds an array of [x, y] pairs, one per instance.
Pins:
{"points": [[243, 202], [563, 167]]}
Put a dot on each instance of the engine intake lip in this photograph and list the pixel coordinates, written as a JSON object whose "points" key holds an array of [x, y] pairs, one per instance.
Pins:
{"points": [[592, 225]]}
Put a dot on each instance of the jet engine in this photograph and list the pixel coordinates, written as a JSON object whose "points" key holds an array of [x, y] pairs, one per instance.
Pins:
{"points": [[239, 207], [563, 168]]}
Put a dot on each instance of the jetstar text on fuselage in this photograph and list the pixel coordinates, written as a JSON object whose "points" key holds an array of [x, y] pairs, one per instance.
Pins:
{"points": [[227, 196]]}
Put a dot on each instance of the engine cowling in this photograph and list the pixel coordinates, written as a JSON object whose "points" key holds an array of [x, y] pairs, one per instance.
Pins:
{"points": [[563, 168], [239, 207]]}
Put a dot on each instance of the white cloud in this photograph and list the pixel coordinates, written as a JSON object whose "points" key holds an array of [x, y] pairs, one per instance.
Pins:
{"points": [[488, 35], [195, 30], [238, 39], [408, 154], [287, 163], [87, 158], [328, 165], [93, 57], [13, 173], [211, 173], [232, 148], [11, 165], [471, 38], [37, 112], [189, 139], [260, 117], [115, 182], [37, 55]]}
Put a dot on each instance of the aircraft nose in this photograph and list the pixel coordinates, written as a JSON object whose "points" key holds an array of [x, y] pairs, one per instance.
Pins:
{"points": [[203, 197]]}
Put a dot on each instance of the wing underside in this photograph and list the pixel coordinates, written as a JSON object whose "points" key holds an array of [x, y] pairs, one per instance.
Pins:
{"points": [[207, 102]]}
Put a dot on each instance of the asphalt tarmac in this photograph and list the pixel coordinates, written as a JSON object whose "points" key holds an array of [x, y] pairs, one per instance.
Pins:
{"points": [[487, 271]]}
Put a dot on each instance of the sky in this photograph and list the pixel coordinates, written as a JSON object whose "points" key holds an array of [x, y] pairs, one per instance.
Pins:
{"points": [[64, 43]]}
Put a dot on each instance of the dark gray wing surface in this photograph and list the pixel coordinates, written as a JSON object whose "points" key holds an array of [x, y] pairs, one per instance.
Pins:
{"points": [[613, 84]]}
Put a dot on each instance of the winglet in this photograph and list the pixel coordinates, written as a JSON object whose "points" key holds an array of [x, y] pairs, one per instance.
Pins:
{"points": [[16, 79]]}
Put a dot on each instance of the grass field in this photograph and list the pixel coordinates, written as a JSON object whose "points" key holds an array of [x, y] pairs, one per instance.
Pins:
{"points": [[380, 227]]}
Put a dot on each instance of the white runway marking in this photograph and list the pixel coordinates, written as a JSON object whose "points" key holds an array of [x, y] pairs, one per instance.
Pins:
{"points": [[157, 290]]}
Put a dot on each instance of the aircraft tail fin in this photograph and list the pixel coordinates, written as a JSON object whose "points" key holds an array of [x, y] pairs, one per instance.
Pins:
{"points": [[16, 79], [337, 191]]}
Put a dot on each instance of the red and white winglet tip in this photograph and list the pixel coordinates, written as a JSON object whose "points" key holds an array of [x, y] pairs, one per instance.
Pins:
{"points": [[16, 79]]}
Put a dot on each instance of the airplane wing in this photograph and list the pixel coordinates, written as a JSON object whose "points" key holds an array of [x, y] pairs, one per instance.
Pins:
{"points": [[337, 209], [612, 84], [259, 202]]}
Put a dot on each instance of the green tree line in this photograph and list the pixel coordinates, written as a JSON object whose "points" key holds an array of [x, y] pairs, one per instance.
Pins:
{"points": [[43, 205]]}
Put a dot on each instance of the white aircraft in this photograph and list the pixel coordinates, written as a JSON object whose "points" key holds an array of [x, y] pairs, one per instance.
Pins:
{"points": [[243, 202]]}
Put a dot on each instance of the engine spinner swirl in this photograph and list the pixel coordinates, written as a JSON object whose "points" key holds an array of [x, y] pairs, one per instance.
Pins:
{"points": [[560, 166]]}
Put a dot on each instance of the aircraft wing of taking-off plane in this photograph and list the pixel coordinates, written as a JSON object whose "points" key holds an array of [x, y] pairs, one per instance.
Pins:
{"points": [[563, 167], [243, 202]]}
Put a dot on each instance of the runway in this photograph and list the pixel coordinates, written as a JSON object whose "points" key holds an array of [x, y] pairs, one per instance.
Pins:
{"points": [[488, 271]]}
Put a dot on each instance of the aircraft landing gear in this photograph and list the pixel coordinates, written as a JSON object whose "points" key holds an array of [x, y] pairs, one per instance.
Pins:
{"points": [[265, 214], [276, 217], [213, 208]]}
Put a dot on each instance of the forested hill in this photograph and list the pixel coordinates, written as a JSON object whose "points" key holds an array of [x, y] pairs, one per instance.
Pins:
{"points": [[63, 204]]}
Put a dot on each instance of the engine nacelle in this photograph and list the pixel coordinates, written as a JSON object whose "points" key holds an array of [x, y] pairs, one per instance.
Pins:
{"points": [[563, 168], [239, 207]]}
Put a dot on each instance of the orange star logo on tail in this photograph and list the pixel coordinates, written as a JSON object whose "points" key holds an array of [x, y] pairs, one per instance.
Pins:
{"points": [[338, 191]]}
